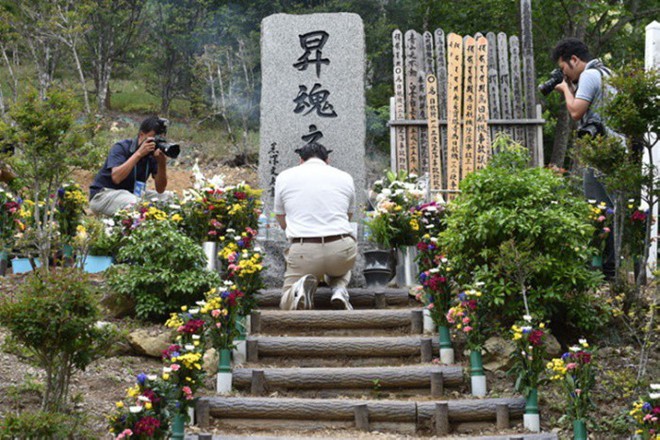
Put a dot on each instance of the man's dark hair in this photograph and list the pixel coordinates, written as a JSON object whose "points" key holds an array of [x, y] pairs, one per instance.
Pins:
{"points": [[568, 47], [313, 150], [154, 123]]}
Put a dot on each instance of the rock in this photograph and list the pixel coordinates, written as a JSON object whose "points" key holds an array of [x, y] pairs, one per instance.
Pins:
{"points": [[150, 343], [497, 353], [552, 347], [117, 306], [211, 362]]}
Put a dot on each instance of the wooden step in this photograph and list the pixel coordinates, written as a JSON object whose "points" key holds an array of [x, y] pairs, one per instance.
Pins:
{"points": [[375, 413], [320, 347], [416, 377], [355, 434], [339, 322], [360, 298]]}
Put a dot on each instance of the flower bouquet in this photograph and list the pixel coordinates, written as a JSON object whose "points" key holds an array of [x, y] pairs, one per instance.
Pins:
{"points": [[646, 415], [466, 319], [528, 365], [71, 203], [395, 222], [220, 311], [601, 217], [575, 373], [10, 210], [144, 413]]}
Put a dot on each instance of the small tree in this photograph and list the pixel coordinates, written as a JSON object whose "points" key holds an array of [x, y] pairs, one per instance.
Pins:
{"points": [[54, 316], [49, 144]]}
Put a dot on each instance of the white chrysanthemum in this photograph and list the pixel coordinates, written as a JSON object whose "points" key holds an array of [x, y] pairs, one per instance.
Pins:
{"points": [[135, 409]]}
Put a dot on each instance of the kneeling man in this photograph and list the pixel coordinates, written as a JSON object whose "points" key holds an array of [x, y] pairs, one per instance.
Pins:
{"points": [[314, 203]]}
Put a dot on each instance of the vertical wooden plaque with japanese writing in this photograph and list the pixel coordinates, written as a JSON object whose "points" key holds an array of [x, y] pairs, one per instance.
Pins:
{"points": [[516, 88], [505, 80], [469, 106], [399, 100], [422, 56], [454, 96], [483, 151], [441, 69], [434, 149], [412, 63]]}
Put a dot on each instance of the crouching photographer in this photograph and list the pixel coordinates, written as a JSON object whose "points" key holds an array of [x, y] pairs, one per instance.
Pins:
{"points": [[581, 80], [122, 181]]}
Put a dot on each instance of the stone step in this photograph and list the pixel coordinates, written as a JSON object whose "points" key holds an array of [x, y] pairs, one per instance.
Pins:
{"points": [[370, 322], [311, 349], [360, 298], [406, 416], [267, 380], [356, 435]]}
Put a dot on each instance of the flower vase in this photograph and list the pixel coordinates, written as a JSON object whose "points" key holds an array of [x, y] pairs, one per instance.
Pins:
{"points": [[223, 379], [597, 261], [191, 415], [406, 268], [531, 419], [239, 352], [427, 321], [178, 427], [579, 430], [211, 254], [477, 375], [446, 350]]}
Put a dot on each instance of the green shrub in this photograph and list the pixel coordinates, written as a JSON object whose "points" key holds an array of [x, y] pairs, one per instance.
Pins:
{"points": [[54, 315], [162, 270], [42, 425], [519, 229]]}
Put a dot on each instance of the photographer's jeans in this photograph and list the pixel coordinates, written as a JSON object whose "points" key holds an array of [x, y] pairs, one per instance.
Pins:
{"points": [[108, 201]]}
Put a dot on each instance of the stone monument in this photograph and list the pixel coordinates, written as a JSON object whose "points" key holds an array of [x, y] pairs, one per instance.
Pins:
{"points": [[312, 91]]}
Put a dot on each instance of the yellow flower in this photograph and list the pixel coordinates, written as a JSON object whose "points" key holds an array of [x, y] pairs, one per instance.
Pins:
{"points": [[542, 325], [147, 405], [177, 218], [184, 308], [166, 376], [133, 391], [119, 404]]}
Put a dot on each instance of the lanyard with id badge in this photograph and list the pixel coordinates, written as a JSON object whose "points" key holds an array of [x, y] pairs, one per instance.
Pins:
{"points": [[140, 187]]}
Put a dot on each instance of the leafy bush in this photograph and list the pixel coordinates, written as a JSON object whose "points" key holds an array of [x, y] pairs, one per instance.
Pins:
{"points": [[54, 316], [41, 425], [162, 270], [520, 229]]}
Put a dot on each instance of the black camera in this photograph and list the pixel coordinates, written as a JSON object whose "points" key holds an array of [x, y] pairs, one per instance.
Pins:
{"points": [[592, 128], [168, 149], [556, 77]]}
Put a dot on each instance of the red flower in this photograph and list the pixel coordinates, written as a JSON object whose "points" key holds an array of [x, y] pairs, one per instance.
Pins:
{"points": [[146, 426], [583, 356], [536, 337], [472, 304], [240, 195]]}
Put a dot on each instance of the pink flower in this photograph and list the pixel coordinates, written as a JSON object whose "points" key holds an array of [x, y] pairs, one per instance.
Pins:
{"points": [[578, 391], [571, 366], [606, 230], [175, 367], [467, 329], [430, 306], [188, 392], [601, 218], [466, 320], [215, 313], [218, 325], [125, 433]]}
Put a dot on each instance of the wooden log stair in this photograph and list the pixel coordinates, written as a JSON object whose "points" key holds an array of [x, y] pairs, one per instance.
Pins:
{"points": [[350, 371]]}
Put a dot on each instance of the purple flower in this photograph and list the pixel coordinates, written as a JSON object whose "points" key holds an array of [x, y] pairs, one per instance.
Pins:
{"points": [[647, 407], [462, 296], [609, 211], [141, 378]]}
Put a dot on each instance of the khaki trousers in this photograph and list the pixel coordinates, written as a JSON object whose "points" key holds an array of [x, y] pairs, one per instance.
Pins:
{"points": [[330, 262]]}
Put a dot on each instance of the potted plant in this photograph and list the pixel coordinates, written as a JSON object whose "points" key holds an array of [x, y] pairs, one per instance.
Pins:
{"points": [[601, 217], [528, 365], [94, 247], [466, 319], [574, 371], [220, 310], [394, 223]]}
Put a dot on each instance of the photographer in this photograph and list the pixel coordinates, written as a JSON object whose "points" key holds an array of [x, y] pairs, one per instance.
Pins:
{"points": [[580, 79], [122, 181]]}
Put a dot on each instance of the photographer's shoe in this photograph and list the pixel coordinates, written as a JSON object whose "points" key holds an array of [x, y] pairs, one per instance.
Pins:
{"points": [[340, 297], [304, 291]]}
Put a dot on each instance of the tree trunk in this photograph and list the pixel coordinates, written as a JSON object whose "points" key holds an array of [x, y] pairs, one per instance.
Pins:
{"points": [[562, 134], [14, 81]]}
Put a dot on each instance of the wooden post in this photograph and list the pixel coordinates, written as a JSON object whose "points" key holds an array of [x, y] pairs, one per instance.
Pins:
{"points": [[434, 145], [380, 300], [529, 75], [505, 79], [259, 384], [516, 90], [255, 319], [426, 349], [454, 98], [361, 413], [482, 134], [437, 384], [416, 322], [441, 69], [469, 106], [412, 68], [202, 413], [441, 417], [204, 436], [252, 350], [502, 416], [493, 82], [399, 100]]}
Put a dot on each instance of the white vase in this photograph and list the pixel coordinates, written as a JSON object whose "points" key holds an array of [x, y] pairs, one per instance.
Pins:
{"points": [[447, 356], [407, 272], [239, 352], [191, 416], [211, 254], [223, 383], [532, 422], [478, 386], [429, 325]]}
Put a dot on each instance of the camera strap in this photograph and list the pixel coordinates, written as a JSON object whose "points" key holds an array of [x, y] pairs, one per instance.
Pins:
{"points": [[139, 186]]}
